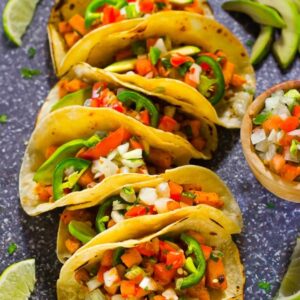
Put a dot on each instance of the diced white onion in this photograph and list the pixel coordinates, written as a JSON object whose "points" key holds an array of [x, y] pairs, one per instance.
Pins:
{"points": [[110, 277], [272, 136], [163, 190], [117, 205], [161, 205], [69, 171], [295, 132], [123, 148], [117, 297], [148, 284], [148, 195], [95, 295], [290, 157], [112, 154], [124, 170], [93, 283], [280, 135], [116, 216], [160, 44], [104, 166], [134, 154], [262, 146], [87, 102], [132, 163], [194, 74], [257, 136], [170, 294], [128, 197], [271, 152]]}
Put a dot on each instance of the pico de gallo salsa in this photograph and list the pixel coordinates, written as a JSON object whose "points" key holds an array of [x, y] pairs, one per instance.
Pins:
{"points": [[276, 134], [84, 224], [150, 111], [184, 267], [83, 163]]}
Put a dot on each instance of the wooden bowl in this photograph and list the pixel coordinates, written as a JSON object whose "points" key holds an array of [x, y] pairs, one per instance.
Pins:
{"points": [[275, 184]]}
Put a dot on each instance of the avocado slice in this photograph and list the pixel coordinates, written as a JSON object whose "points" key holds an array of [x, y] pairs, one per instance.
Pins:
{"points": [[262, 44], [285, 48], [122, 66], [181, 2], [76, 98], [186, 50], [258, 12]]}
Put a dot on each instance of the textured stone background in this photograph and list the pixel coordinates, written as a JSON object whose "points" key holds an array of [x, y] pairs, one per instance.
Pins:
{"points": [[269, 233]]}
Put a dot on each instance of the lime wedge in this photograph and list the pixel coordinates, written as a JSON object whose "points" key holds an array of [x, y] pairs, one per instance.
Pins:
{"points": [[290, 285], [17, 281], [16, 16]]}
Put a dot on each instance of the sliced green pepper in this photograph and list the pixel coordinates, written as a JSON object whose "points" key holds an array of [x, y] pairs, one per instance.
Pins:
{"points": [[154, 55], [127, 97], [196, 265], [45, 172], [91, 15], [131, 11], [76, 98], [117, 256], [218, 75], [101, 218], [79, 165], [81, 231]]}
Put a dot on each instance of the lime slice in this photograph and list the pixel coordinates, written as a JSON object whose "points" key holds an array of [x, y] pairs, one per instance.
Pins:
{"points": [[290, 285], [17, 15], [17, 281]]}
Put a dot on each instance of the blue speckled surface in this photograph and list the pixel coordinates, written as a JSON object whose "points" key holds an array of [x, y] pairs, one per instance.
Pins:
{"points": [[269, 233]]}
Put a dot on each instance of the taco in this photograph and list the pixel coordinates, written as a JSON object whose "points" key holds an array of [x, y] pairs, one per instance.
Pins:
{"points": [[91, 87], [77, 153], [169, 196], [193, 258], [202, 60], [72, 21]]}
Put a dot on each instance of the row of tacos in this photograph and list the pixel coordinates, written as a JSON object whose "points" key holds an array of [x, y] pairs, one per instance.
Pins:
{"points": [[142, 86]]}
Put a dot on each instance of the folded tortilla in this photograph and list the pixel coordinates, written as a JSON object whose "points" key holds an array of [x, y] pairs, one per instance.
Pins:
{"points": [[209, 182], [68, 288]]}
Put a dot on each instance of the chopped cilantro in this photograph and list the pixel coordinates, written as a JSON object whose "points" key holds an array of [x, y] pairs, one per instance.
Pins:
{"points": [[29, 73], [189, 195], [270, 205], [166, 63], [184, 68], [12, 248], [3, 118], [249, 43], [265, 286], [31, 52]]}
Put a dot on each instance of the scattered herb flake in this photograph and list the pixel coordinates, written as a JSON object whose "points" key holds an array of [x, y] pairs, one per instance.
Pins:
{"points": [[265, 286], [29, 73], [31, 52], [3, 119], [12, 248], [249, 43], [270, 205]]}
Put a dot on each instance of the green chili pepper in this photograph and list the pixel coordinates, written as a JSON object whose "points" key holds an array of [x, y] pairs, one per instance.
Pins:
{"points": [[91, 15], [259, 119], [154, 55], [81, 231], [76, 98], [131, 11], [117, 256], [44, 174], [127, 97], [101, 218], [218, 74], [79, 165], [196, 265]]}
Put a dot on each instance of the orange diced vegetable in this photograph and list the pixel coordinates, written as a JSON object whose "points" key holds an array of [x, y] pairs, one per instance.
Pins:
{"points": [[172, 205], [100, 273], [296, 111], [77, 23], [134, 144], [289, 172], [273, 122], [64, 27], [290, 124], [145, 117], [44, 192], [72, 245], [111, 223], [158, 297], [50, 150], [199, 143], [107, 258], [160, 158], [112, 290], [197, 236], [131, 257], [82, 276], [146, 6], [175, 190], [179, 59], [141, 293], [143, 66], [71, 38], [194, 7], [74, 85], [237, 80], [228, 71], [86, 178], [162, 274], [187, 80], [209, 198], [206, 251], [128, 288], [215, 275], [82, 215], [277, 163], [167, 123], [148, 248]]}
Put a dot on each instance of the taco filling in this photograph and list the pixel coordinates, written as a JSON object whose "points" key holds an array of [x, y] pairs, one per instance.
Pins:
{"points": [[212, 74], [83, 163], [181, 267], [167, 196], [150, 111], [102, 12], [276, 134]]}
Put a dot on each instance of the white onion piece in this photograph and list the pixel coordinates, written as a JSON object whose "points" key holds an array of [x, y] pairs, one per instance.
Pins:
{"points": [[170, 294], [123, 148], [95, 295], [112, 154], [148, 283], [257, 136], [104, 166], [271, 152], [117, 297], [116, 216], [161, 205], [295, 132], [272, 136], [132, 163], [134, 154], [93, 283], [148, 195], [194, 73], [163, 190], [111, 276], [124, 170], [160, 44], [262, 146]]}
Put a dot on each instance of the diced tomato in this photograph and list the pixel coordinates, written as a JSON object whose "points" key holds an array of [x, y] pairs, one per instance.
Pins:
{"points": [[164, 248], [134, 144], [175, 259], [131, 257], [158, 297], [273, 122], [199, 143], [77, 23], [290, 124], [107, 259], [74, 85], [141, 293], [97, 87], [175, 190], [82, 276], [167, 124], [146, 6], [71, 38], [206, 251], [64, 27], [44, 192], [86, 178], [111, 142], [277, 163], [172, 205], [160, 158], [163, 274], [209, 198], [72, 245], [205, 67], [179, 59], [147, 249], [289, 172], [286, 140], [100, 273], [143, 66], [145, 117], [82, 215], [50, 150], [135, 211], [151, 42], [187, 200], [296, 111], [215, 275], [237, 80], [111, 15], [118, 107]]}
